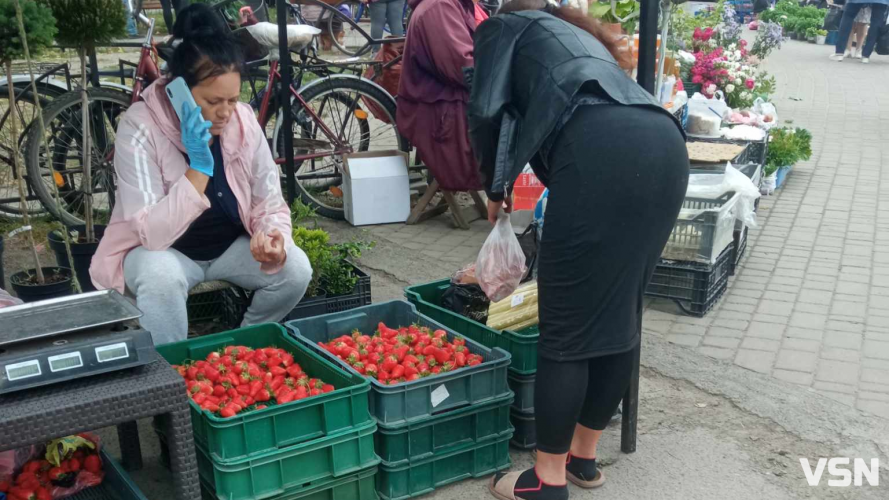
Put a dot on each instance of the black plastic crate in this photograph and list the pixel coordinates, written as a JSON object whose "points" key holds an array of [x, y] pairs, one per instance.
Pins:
{"points": [[360, 296], [237, 300], [694, 287], [206, 307], [525, 435], [739, 246], [523, 387]]}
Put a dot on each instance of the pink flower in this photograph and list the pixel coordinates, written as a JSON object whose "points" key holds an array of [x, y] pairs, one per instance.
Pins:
{"points": [[743, 43], [750, 83], [698, 34], [697, 79]]}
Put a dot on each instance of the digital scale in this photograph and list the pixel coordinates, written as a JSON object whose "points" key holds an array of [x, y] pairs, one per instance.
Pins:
{"points": [[68, 338]]}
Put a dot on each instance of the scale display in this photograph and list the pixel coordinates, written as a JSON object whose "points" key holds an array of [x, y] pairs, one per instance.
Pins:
{"points": [[38, 347]]}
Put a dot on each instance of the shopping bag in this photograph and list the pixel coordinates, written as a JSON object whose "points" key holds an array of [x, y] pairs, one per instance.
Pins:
{"points": [[500, 265], [883, 41], [832, 19]]}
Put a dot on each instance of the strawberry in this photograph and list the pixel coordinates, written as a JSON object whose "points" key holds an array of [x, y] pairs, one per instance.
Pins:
{"points": [[398, 371], [410, 370], [441, 356], [389, 363], [227, 412], [23, 493], [327, 388], [285, 396], [460, 359], [93, 464], [4, 486], [359, 367], [370, 370], [263, 395], [43, 494], [31, 467], [57, 474], [278, 370]]}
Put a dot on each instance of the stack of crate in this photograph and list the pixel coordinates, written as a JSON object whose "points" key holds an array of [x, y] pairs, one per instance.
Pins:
{"points": [[436, 430], [521, 345], [319, 447]]}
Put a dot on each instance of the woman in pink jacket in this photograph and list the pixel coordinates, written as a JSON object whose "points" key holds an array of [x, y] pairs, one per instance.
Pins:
{"points": [[200, 201]]}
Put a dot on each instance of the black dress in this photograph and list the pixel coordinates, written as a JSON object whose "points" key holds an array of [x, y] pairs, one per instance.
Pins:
{"points": [[617, 176]]}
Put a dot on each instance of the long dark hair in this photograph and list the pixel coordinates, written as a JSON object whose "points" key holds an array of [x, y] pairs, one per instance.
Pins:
{"points": [[207, 47], [576, 17]]}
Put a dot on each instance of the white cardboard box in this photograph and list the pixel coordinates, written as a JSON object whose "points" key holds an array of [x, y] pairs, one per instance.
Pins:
{"points": [[376, 188]]}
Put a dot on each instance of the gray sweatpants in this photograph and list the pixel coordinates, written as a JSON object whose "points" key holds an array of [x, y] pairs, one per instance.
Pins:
{"points": [[160, 280]]}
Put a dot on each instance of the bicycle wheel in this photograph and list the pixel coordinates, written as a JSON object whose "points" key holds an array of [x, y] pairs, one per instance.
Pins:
{"points": [[61, 161], [358, 113], [335, 23], [23, 115]]}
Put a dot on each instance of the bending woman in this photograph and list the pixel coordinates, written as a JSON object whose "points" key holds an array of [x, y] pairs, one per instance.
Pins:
{"points": [[547, 89], [201, 200]]}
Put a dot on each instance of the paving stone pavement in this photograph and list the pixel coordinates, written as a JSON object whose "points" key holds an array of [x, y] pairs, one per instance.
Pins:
{"points": [[810, 302]]}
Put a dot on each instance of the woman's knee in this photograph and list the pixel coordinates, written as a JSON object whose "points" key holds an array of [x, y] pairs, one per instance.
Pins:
{"points": [[155, 272], [297, 270]]}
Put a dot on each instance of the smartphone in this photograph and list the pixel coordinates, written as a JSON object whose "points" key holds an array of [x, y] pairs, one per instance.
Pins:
{"points": [[179, 94]]}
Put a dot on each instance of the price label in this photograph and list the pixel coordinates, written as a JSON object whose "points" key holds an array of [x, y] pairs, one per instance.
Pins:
{"points": [[439, 395], [67, 361], [517, 300]]}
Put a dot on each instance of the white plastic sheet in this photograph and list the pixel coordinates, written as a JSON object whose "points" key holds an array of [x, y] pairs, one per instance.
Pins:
{"points": [[714, 186]]}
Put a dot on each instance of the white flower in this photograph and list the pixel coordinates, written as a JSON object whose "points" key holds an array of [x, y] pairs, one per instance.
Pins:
{"points": [[738, 81], [711, 89], [745, 95], [712, 42], [732, 47], [745, 68], [730, 88], [738, 55]]}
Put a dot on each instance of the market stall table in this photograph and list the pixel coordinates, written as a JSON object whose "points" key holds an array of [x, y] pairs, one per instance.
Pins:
{"points": [[118, 398]]}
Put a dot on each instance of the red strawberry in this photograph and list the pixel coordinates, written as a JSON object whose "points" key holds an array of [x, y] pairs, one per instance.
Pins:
{"points": [[92, 464], [398, 371], [327, 388], [227, 412], [370, 370], [263, 395], [4, 486], [23, 493]]}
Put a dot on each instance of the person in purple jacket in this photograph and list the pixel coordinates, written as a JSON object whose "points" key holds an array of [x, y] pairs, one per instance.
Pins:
{"points": [[432, 95]]}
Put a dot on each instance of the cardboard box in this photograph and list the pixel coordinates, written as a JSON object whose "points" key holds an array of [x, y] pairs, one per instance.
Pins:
{"points": [[376, 187]]}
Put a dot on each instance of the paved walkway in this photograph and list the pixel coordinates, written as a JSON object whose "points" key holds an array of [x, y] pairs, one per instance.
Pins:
{"points": [[810, 303]]}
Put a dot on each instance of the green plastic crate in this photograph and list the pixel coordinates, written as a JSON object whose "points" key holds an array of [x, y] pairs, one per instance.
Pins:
{"points": [[292, 469], [357, 486], [420, 399], [278, 426], [456, 429], [521, 345], [407, 481], [523, 387]]}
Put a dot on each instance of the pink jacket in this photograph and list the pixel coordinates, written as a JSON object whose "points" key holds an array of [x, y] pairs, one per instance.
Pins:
{"points": [[156, 202]]}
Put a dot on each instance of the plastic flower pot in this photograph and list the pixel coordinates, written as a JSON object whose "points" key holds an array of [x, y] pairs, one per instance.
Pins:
{"points": [[59, 284], [82, 253], [821, 39]]}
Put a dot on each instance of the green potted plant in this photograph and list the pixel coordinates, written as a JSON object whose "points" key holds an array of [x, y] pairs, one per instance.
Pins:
{"points": [[333, 273], [787, 146], [811, 34], [37, 23], [84, 25], [820, 36], [623, 17]]}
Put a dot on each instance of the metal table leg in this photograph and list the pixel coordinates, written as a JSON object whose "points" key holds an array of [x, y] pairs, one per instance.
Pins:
{"points": [[631, 407]]}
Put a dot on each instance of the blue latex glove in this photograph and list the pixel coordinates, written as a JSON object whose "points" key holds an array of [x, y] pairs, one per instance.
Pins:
{"points": [[196, 139]]}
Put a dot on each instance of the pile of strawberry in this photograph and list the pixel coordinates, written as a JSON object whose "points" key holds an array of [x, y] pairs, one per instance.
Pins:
{"points": [[239, 379], [408, 353], [38, 477]]}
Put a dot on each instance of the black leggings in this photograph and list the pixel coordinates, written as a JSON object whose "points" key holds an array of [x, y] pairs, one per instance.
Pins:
{"points": [[584, 392]]}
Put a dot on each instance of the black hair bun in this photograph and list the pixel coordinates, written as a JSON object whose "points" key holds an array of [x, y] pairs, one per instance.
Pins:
{"points": [[200, 21]]}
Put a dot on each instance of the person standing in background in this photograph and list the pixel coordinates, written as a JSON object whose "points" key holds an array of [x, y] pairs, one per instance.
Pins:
{"points": [[131, 21], [853, 8], [383, 12]]}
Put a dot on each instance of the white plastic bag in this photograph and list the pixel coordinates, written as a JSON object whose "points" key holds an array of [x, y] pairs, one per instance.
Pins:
{"points": [[298, 35], [714, 186], [768, 115], [769, 183], [500, 265], [744, 133], [699, 104]]}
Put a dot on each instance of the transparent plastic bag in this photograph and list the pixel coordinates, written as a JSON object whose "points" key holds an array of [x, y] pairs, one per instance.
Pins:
{"points": [[768, 115], [714, 186], [13, 462], [500, 265]]}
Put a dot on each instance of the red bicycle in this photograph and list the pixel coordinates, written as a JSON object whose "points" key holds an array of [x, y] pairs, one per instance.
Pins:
{"points": [[334, 115]]}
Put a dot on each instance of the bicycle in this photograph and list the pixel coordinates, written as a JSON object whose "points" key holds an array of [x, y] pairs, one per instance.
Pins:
{"points": [[61, 161], [329, 122]]}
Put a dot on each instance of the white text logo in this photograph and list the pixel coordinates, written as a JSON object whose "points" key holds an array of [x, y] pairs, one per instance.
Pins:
{"points": [[860, 468]]}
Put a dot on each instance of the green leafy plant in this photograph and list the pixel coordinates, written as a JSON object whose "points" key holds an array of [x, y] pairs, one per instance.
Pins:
{"points": [[625, 13], [787, 146], [331, 270], [84, 24], [300, 213]]}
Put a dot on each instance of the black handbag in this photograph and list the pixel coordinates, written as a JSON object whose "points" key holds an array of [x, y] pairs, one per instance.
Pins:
{"points": [[883, 41], [832, 19]]}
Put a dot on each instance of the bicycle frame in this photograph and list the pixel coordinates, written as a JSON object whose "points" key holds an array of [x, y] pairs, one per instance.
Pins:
{"points": [[274, 76], [147, 72]]}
